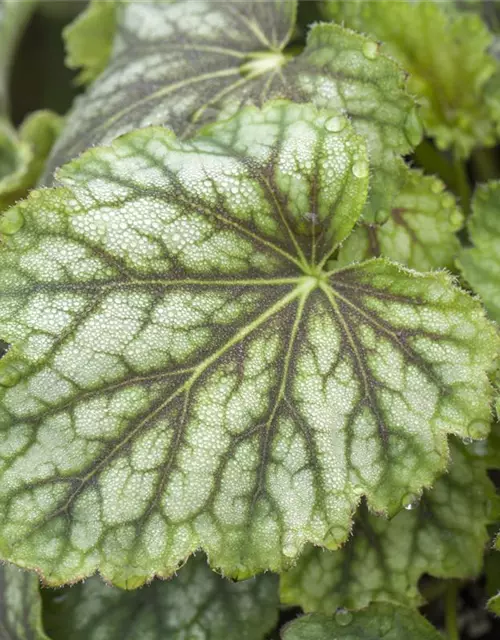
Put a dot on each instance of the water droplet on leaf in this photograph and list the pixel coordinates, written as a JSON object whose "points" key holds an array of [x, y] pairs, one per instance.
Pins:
{"points": [[9, 376], [478, 429], [447, 201], [335, 124], [382, 216], [370, 50], [437, 186], [343, 617], [410, 502], [413, 128], [456, 218], [360, 169], [11, 222]]}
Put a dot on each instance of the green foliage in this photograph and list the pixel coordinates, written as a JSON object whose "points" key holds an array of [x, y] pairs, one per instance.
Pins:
{"points": [[446, 54], [228, 326], [378, 622], [481, 265], [197, 603], [89, 39], [24, 154], [170, 70], [419, 230], [154, 342], [443, 535], [20, 605]]}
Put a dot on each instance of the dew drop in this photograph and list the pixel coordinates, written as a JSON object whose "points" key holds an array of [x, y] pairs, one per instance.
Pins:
{"points": [[478, 429], [410, 502], [447, 201], [343, 617], [290, 549], [360, 169], [335, 124], [11, 222], [456, 218], [9, 376], [437, 186], [370, 50], [413, 128], [382, 216]]}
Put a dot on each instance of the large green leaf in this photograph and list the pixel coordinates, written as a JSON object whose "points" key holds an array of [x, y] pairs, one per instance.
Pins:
{"points": [[197, 603], [186, 373], [20, 605], [184, 64], [446, 53], [378, 622], [89, 39], [481, 264], [443, 535], [419, 231]]}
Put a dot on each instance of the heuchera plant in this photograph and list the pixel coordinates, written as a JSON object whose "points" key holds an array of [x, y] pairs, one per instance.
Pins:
{"points": [[248, 303]]}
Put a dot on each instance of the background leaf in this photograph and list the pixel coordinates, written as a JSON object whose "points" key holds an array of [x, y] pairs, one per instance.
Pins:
{"points": [[182, 70], [196, 603], [20, 605], [446, 54], [480, 265], [420, 230], [443, 535], [377, 622], [89, 39]]}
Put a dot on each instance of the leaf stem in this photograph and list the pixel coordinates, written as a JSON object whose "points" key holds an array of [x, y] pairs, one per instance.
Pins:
{"points": [[485, 165], [434, 161], [462, 184], [451, 611]]}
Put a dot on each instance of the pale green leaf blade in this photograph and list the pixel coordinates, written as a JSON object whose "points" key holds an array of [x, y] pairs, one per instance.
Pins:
{"points": [[446, 54], [377, 622], [480, 264], [186, 374], [196, 603], [20, 605], [182, 65], [89, 39], [443, 535], [420, 230]]}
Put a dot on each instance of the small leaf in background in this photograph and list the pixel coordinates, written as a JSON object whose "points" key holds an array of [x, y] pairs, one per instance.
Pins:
{"points": [[185, 372], [17, 154], [494, 605], [377, 622], [13, 18], [183, 69], [444, 535], [446, 54], [480, 265], [420, 229], [89, 39], [196, 603], [20, 605], [24, 154]]}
